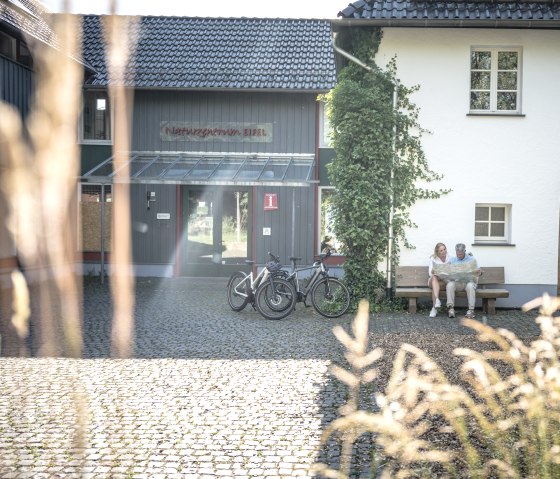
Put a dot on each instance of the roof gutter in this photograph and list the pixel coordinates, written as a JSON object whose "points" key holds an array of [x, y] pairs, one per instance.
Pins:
{"points": [[389, 272], [445, 23]]}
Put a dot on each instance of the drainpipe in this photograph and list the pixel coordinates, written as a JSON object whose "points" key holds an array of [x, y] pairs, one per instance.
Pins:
{"points": [[352, 58]]}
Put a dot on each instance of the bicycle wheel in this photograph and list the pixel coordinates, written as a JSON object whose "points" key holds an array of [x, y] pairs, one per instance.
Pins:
{"points": [[237, 291], [330, 297], [276, 300]]}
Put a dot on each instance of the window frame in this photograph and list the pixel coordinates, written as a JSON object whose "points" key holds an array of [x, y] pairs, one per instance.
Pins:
{"points": [[325, 128], [105, 193], [506, 238], [108, 109], [19, 51], [495, 50]]}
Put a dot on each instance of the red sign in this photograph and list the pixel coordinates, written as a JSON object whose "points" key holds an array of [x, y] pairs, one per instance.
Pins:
{"points": [[270, 201]]}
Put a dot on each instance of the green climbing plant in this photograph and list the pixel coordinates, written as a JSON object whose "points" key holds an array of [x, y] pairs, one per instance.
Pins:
{"points": [[380, 164]]}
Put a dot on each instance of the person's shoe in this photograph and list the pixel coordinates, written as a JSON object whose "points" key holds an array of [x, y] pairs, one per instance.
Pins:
{"points": [[470, 314], [451, 312], [438, 303], [433, 313]]}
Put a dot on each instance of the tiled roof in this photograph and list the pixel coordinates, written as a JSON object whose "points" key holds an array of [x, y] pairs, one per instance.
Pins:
{"points": [[28, 17], [222, 53], [473, 13]]}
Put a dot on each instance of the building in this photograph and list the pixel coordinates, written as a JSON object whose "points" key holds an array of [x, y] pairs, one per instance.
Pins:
{"points": [[225, 143], [21, 21], [228, 138], [487, 72]]}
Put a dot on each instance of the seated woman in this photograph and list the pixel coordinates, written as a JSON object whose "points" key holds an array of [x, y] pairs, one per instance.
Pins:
{"points": [[440, 256]]}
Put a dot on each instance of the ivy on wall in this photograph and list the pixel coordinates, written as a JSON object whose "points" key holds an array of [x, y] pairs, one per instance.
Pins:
{"points": [[379, 162]]}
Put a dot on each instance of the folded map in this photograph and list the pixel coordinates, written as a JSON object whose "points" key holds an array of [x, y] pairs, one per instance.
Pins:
{"points": [[461, 272]]}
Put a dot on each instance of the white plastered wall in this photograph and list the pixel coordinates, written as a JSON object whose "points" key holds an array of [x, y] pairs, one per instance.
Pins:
{"points": [[486, 159]]}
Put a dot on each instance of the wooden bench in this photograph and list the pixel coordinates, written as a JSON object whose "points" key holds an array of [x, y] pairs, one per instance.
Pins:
{"points": [[412, 282]]}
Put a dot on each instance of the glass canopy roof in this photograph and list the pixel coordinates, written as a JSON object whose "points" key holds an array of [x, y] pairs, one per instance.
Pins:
{"points": [[209, 169]]}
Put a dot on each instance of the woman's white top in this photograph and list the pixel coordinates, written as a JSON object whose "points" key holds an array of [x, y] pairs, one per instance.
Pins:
{"points": [[436, 260]]}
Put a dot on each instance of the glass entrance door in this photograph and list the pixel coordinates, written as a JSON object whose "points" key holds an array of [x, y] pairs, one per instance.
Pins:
{"points": [[215, 230]]}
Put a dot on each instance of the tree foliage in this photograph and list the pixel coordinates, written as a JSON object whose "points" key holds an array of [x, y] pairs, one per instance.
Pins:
{"points": [[379, 163]]}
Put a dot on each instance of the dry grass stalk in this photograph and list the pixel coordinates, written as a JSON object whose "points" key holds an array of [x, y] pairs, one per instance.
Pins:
{"points": [[39, 187], [498, 424], [119, 36]]}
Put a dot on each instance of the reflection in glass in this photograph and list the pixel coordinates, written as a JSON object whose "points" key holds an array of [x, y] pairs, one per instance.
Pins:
{"points": [[200, 246], [497, 229], [507, 80], [481, 60], [480, 100], [480, 80], [328, 238], [481, 229], [234, 226], [498, 214], [482, 213], [507, 60], [507, 101]]}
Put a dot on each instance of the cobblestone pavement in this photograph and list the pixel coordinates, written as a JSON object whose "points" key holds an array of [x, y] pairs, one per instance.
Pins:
{"points": [[210, 393]]}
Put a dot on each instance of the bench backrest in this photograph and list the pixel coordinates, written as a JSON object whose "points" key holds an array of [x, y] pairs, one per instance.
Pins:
{"points": [[408, 276]]}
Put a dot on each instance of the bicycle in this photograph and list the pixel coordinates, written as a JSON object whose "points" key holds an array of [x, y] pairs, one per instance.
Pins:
{"points": [[329, 296], [272, 296]]}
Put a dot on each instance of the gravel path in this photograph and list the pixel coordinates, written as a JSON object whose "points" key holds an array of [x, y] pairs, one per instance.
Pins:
{"points": [[210, 393]]}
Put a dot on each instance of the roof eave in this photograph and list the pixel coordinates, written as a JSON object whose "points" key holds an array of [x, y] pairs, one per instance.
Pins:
{"points": [[249, 90]]}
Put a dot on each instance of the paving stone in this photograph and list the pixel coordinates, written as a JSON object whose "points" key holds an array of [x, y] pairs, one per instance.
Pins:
{"points": [[208, 393]]}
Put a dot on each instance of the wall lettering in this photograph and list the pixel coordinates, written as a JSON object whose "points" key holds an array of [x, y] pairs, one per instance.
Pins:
{"points": [[243, 132]]}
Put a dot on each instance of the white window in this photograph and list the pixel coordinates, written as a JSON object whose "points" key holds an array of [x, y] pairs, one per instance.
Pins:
{"points": [[495, 80], [327, 238], [492, 223], [325, 129], [96, 118]]}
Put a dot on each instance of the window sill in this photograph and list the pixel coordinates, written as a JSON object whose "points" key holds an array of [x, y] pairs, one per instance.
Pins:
{"points": [[493, 113], [96, 142], [492, 244]]}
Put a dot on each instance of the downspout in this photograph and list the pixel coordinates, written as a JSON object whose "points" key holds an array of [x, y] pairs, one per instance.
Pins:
{"points": [[352, 58]]}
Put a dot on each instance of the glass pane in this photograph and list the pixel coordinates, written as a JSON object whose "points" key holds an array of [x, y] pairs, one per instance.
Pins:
{"points": [[507, 60], [480, 100], [498, 214], [507, 80], [481, 229], [507, 101], [96, 117], [497, 229], [328, 237], [482, 213], [200, 241], [91, 216], [481, 60], [480, 81], [234, 226]]}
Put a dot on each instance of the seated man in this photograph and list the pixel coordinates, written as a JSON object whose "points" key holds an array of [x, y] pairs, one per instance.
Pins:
{"points": [[468, 285]]}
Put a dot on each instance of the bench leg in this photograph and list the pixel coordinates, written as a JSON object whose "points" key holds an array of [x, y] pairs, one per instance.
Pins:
{"points": [[490, 306], [412, 305]]}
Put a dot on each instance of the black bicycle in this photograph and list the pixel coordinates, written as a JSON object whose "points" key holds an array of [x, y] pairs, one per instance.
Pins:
{"points": [[329, 296], [271, 295]]}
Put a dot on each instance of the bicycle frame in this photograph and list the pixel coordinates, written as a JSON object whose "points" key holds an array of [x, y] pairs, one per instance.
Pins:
{"points": [[320, 270], [253, 282]]}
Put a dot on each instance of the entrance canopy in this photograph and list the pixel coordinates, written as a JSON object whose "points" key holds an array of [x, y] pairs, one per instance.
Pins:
{"points": [[205, 168]]}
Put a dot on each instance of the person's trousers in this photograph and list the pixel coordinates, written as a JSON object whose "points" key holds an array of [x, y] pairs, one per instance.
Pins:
{"points": [[454, 286]]}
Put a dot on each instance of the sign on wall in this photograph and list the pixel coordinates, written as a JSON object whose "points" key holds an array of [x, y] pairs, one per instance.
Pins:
{"points": [[270, 201], [189, 131]]}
